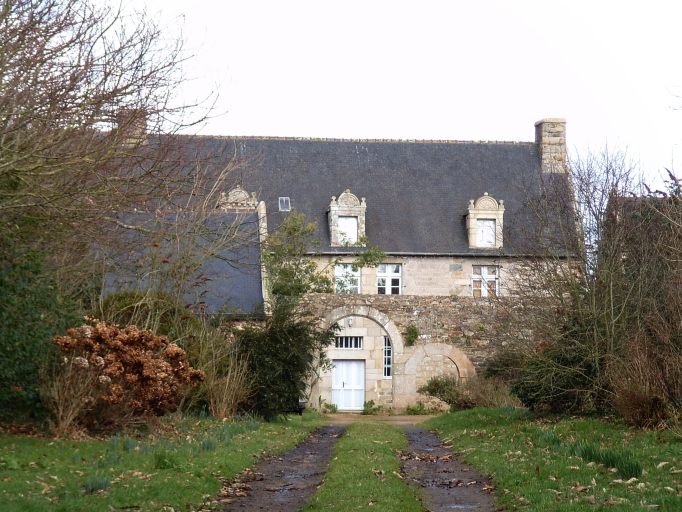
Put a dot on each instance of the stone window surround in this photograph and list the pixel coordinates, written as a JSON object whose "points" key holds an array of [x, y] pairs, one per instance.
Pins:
{"points": [[347, 205], [485, 208]]}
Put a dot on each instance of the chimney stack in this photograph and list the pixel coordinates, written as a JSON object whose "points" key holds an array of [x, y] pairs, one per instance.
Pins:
{"points": [[132, 126], [550, 136]]}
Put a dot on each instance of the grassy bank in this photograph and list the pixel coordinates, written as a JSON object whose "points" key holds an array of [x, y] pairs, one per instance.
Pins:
{"points": [[175, 470], [363, 472], [568, 464]]}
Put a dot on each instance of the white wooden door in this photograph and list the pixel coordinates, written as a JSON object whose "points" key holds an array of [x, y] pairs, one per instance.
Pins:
{"points": [[348, 384]]}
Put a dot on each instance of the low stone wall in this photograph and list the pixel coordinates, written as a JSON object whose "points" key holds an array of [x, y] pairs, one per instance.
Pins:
{"points": [[474, 326]]}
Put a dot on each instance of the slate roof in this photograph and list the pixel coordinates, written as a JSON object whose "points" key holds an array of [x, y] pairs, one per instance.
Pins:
{"points": [[229, 282], [417, 192]]}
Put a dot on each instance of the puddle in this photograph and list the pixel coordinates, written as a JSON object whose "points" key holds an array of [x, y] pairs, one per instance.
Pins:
{"points": [[445, 483], [269, 486]]}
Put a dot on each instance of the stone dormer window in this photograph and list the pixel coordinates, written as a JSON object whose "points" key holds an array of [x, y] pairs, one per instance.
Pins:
{"points": [[485, 223], [346, 219]]}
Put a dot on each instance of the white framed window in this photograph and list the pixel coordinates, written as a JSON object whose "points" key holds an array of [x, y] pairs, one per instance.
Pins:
{"points": [[486, 280], [284, 204], [347, 278], [389, 279], [348, 342], [348, 230], [388, 358], [485, 232]]}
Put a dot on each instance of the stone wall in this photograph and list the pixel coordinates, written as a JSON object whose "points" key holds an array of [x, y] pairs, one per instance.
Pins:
{"points": [[474, 326]]}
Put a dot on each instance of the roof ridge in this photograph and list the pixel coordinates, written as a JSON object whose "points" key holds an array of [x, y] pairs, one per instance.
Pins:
{"points": [[326, 139]]}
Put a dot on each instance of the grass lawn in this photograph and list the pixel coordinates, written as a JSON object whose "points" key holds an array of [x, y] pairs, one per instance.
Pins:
{"points": [[567, 464], [363, 472], [177, 471]]}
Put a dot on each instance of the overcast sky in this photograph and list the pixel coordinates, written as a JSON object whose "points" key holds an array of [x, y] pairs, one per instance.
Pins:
{"points": [[484, 70]]}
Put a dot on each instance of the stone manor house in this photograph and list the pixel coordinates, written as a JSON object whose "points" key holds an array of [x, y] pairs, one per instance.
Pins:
{"points": [[449, 216]]}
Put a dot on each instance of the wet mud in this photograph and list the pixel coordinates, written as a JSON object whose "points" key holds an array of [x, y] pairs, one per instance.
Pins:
{"points": [[286, 482], [445, 483]]}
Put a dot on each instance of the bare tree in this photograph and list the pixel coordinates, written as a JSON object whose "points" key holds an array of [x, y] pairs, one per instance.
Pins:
{"points": [[89, 124], [570, 292]]}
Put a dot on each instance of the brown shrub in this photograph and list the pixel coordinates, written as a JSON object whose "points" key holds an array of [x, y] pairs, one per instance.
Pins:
{"points": [[132, 373], [470, 393]]}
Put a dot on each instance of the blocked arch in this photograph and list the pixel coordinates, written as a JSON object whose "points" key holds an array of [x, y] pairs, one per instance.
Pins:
{"points": [[377, 316], [465, 368]]}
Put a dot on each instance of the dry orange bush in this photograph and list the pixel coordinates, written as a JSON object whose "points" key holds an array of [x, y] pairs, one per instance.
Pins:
{"points": [[133, 372]]}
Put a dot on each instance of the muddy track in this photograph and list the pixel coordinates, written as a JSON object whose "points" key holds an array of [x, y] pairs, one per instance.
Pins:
{"points": [[445, 483], [283, 483]]}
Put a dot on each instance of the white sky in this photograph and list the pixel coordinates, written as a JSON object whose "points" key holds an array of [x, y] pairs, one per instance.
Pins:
{"points": [[461, 70]]}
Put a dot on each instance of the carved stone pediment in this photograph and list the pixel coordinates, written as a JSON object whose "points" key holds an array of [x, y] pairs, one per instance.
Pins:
{"points": [[237, 198], [348, 199]]}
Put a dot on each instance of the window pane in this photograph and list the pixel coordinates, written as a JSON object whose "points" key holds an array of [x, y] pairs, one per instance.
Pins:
{"points": [[485, 233], [348, 342], [492, 271], [347, 279], [388, 359], [381, 269], [284, 204], [395, 269], [477, 271], [348, 230], [381, 285]]}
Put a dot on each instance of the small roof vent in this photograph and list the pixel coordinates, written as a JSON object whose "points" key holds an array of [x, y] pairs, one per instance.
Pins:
{"points": [[284, 204]]}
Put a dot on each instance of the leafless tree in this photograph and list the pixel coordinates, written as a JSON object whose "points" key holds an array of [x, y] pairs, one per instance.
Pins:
{"points": [[88, 124]]}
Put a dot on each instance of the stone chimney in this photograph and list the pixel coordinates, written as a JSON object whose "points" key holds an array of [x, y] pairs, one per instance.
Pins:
{"points": [[550, 136], [132, 126]]}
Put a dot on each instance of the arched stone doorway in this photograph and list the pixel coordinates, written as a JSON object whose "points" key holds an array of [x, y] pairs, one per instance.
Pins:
{"points": [[363, 358]]}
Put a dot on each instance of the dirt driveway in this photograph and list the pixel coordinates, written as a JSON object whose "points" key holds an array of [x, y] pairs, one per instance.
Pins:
{"points": [[286, 482]]}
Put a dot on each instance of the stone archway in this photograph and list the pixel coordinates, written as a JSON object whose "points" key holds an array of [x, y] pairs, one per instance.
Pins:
{"points": [[375, 329], [382, 319]]}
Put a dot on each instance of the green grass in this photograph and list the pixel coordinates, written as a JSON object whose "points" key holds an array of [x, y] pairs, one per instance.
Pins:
{"points": [[567, 464], [363, 472], [179, 471]]}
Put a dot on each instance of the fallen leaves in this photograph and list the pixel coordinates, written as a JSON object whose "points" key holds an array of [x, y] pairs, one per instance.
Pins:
{"points": [[579, 488]]}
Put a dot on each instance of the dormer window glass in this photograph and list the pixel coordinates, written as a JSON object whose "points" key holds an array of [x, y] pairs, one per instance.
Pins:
{"points": [[485, 232], [348, 230], [284, 204]]}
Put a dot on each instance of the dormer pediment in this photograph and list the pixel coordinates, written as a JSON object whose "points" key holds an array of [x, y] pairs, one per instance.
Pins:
{"points": [[237, 199]]}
